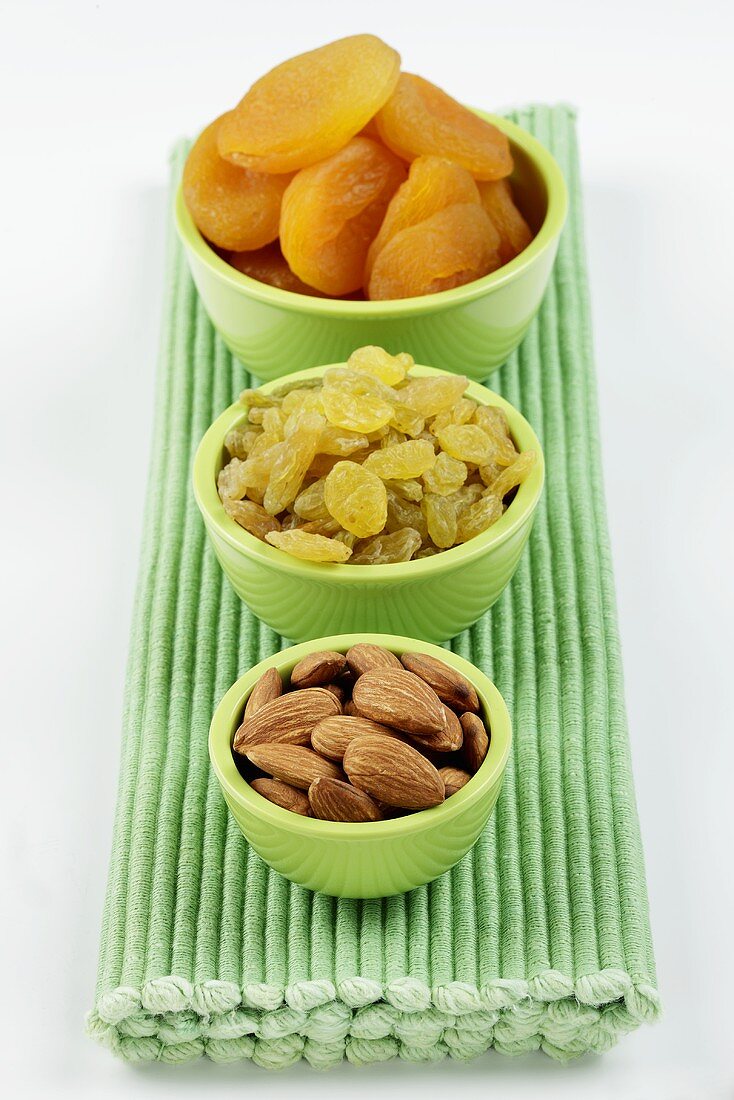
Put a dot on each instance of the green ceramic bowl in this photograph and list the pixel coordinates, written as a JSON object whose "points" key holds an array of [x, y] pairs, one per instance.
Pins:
{"points": [[432, 598], [372, 859], [471, 329]]}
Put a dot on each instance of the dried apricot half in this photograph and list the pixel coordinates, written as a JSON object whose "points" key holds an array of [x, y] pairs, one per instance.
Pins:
{"points": [[269, 265], [332, 211], [310, 106], [453, 247], [233, 207], [420, 119], [515, 233], [432, 184]]}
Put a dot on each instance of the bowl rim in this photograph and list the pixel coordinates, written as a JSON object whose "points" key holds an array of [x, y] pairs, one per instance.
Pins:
{"points": [[217, 520], [555, 216], [229, 711]]}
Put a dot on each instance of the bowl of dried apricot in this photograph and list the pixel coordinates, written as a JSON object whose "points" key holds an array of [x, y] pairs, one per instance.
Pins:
{"points": [[370, 495], [361, 765], [344, 201]]}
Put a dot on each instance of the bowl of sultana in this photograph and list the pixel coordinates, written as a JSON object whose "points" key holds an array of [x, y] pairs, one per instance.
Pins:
{"points": [[373, 495], [361, 765], [343, 201]]}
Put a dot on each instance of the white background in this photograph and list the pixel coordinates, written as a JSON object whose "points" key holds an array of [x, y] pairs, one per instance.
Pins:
{"points": [[92, 96]]}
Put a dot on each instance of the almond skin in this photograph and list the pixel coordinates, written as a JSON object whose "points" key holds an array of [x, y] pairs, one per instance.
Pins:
{"points": [[454, 779], [282, 794], [401, 700], [450, 686], [448, 740], [393, 772], [364, 656], [337, 691], [332, 735], [318, 669], [476, 741], [268, 687], [288, 719], [292, 764], [334, 800]]}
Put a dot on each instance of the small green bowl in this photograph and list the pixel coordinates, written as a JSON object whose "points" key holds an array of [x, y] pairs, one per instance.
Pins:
{"points": [[470, 330], [376, 858], [432, 598]]}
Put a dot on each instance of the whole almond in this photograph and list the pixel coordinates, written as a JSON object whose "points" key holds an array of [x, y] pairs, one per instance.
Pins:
{"points": [[282, 794], [450, 686], [288, 719], [476, 741], [350, 708], [335, 800], [364, 656], [318, 668], [267, 688], [454, 779], [448, 740], [401, 700], [337, 691], [292, 764], [331, 736], [393, 772]]}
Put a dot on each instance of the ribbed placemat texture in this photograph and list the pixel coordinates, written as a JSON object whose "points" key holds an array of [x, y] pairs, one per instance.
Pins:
{"points": [[539, 938]]}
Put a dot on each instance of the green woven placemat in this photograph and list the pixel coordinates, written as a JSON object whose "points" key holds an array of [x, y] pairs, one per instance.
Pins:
{"points": [[540, 937]]}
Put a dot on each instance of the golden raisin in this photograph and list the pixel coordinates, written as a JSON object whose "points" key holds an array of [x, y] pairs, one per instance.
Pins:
{"points": [[453, 247], [440, 513], [446, 476], [332, 211], [308, 107], [310, 547], [356, 498], [389, 548], [235, 208], [403, 460], [465, 442], [420, 119], [252, 517]]}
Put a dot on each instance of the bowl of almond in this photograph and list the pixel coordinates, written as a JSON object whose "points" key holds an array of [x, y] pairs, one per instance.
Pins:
{"points": [[370, 495], [361, 765]]}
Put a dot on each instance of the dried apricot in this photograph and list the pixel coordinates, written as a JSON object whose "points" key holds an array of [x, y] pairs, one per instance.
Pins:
{"points": [[451, 248], [269, 265], [235, 208], [310, 547], [356, 498], [515, 233], [308, 107], [432, 184], [420, 119], [332, 211]]}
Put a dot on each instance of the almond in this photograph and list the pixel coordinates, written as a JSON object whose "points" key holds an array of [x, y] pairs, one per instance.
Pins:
{"points": [[363, 657], [476, 741], [334, 800], [393, 772], [288, 719], [292, 764], [318, 668], [401, 700], [337, 691], [282, 794], [454, 779], [450, 686], [332, 735], [267, 688], [448, 740]]}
